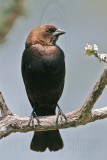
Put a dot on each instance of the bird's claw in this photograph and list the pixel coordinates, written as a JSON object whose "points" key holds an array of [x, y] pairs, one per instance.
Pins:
{"points": [[33, 115], [61, 114]]}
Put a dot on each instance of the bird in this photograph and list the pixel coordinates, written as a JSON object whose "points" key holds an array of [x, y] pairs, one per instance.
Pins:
{"points": [[43, 73]]}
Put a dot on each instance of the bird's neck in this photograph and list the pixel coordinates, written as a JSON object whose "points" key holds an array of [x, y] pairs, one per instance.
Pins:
{"points": [[44, 43]]}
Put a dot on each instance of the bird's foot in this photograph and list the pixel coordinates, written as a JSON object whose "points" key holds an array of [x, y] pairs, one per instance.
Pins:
{"points": [[33, 115], [61, 114]]}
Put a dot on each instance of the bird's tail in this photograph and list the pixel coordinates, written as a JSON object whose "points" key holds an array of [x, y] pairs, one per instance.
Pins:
{"points": [[47, 139]]}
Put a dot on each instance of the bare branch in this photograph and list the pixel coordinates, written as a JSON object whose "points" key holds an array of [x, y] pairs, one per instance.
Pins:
{"points": [[4, 109], [99, 114], [96, 93], [15, 123]]}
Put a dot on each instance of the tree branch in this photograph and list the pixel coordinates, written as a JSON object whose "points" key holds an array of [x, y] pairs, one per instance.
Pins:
{"points": [[96, 92], [10, 123], [4, 109]]}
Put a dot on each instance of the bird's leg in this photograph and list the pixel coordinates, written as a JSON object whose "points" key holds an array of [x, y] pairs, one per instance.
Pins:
{"points": [[60, 113], [33, 115]]}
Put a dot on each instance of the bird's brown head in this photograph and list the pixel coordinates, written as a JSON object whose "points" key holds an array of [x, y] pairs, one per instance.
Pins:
{"points": [[45, 34]]}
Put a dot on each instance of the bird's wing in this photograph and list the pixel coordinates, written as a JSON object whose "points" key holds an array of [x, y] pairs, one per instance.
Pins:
{"points": [[23, 70]]}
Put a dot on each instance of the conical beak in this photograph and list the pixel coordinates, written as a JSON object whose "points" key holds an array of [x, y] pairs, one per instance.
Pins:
{"points": [[58, 32]]}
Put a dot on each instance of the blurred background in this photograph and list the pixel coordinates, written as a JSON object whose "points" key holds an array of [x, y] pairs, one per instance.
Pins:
{"points": [[85, 22]]}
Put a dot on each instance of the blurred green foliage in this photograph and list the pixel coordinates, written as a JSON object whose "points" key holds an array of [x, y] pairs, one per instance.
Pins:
{"points": [[9, 11]]}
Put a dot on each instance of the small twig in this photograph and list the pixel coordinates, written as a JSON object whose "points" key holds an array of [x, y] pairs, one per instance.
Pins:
{"points": [[93, 50]]}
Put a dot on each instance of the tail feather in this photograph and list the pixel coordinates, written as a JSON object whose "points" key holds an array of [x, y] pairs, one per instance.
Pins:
{"points": [[55, 141], [48, 139]]}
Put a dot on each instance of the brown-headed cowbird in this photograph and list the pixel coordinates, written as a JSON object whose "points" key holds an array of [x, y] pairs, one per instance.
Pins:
{"points": [[43, 72]]}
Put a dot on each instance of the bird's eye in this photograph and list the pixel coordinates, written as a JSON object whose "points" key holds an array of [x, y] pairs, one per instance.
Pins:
{"points": [[48, 30]]}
